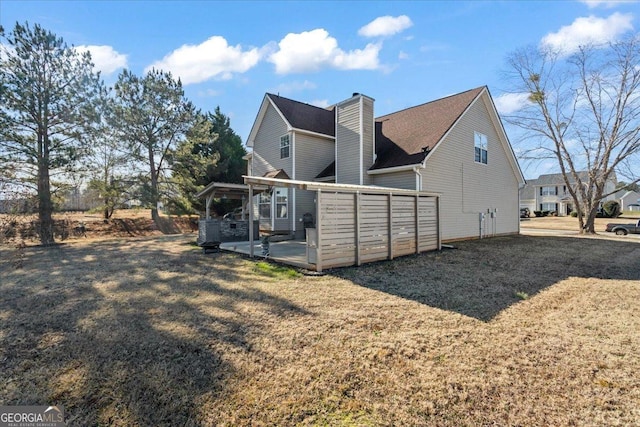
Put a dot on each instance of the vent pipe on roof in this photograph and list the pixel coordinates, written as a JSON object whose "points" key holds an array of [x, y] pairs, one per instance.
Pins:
{"points": [[355, 93]]}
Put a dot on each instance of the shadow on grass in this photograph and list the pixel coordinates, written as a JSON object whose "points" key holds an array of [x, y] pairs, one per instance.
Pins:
{"points": [[483, 277], [125, 332]]}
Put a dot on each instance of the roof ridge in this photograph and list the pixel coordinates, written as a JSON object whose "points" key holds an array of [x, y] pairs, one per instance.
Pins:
{"points": [[432, 101], [296, 101]]}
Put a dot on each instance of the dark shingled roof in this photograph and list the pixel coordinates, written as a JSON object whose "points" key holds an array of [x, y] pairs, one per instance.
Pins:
{"points": [[405, 137], [306, 116], [328, 171]]}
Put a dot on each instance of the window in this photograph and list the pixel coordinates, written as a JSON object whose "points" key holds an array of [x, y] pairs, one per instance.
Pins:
{"points": [[481, 147], [284, 146], [264, 205], [552, 207], [548, 191], [282, 196]]}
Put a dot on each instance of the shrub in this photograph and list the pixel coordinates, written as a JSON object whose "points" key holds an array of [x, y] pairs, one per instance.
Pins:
{"points": [[574, 214], [537, 213], [611, 209]]}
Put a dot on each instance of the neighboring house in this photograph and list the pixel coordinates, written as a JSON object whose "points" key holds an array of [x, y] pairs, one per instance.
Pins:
{"points": [[549, 193], [629, 200], [455, 146]]}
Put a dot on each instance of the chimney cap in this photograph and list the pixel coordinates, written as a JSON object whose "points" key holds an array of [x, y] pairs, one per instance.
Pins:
{"points": [[356, 94]]}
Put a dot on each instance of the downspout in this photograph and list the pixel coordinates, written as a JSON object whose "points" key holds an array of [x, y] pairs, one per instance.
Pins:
{"points": [[361, 131], [292, 217], [418, 178]]}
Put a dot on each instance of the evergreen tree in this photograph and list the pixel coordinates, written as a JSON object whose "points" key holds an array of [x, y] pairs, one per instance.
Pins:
{"points": [[48, 93], [151, 114], [211, 152]]}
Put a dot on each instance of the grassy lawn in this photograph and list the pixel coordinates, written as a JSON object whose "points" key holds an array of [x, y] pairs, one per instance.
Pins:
{"points": [[533, 331], [570, 223]]}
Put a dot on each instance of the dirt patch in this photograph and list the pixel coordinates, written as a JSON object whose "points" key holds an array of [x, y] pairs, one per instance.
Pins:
{"points": [[72, 226], [529, 331]]}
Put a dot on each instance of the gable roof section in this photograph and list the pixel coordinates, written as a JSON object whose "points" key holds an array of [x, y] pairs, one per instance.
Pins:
{"points": [[528, 192], [305, 116], [405, 137], [278, 173], [328, 172], [296, 115], [557, 179]]}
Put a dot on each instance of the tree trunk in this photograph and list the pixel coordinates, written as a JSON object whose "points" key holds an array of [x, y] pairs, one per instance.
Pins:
{"points": [[590, 224], [45, 205], [154, 188]]}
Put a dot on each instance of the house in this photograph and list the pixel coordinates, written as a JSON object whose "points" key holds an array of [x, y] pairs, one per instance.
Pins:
{"points": [[629, 200], [455, 146], [549, 193]]}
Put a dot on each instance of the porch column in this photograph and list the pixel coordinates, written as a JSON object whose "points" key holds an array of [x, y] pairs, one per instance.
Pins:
{"points": [[250, 220], [208, 205]]}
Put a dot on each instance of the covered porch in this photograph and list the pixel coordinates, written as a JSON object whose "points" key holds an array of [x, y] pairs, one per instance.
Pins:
{"points": [[355, 224]]}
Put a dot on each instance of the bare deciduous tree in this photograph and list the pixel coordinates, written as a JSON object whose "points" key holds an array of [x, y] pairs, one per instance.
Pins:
{"points": [[582, 110]]}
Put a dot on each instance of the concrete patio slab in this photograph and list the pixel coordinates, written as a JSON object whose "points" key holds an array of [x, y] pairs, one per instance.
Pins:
{"points": [[291, 252]]}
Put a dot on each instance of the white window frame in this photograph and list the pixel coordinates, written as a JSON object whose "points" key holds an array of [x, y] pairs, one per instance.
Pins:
{"points": [[285, 143], [481, 153], [549, 190], [281, 200], [264, 199]]}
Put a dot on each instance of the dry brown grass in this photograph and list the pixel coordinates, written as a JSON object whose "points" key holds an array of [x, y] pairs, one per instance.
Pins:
{"points": [[531, 331], [16, 229], [570, 223]]}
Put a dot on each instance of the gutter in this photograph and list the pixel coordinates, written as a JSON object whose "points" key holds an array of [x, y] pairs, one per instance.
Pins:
{"points": [[394, 169]]}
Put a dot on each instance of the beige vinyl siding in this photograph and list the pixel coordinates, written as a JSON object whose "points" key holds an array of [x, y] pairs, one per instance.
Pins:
{"points": [[368, 135], [313, 154], [266, 155], [348, 142], [469, 188], [404, 179]]}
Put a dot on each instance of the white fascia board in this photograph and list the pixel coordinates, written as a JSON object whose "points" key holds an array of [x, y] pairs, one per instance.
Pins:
{"points": [[402, 168], [331, 187], [440, 141], [308, 132], [495, 117], [266, 101]]}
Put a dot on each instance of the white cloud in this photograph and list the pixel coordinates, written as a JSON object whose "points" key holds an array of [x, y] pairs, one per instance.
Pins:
{"points": [[313, 50], [589, 30], [213, 58], [386, 26], [296, 86], [605, 3], [322, 103], [508, 103], [403, 55], [105, 58]]}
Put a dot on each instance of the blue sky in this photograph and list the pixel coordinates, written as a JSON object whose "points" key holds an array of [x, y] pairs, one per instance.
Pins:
{"points": [[402, 54]]}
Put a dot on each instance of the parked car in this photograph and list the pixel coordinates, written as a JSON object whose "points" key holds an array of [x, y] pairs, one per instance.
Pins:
{"points": [[525, 213], [624, 229]]}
